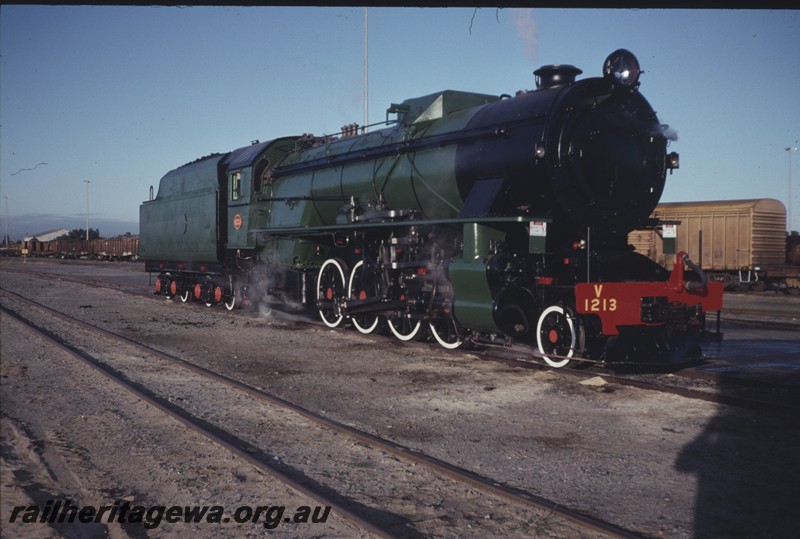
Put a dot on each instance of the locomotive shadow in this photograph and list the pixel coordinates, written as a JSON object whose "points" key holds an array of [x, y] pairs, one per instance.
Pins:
{"points": [[746, 470]]}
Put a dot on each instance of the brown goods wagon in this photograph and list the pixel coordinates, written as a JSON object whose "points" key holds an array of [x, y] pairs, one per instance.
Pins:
{"points": [[40, 248], [741, 238], [116, 248], [70, 248], [51, 248], [793, 250], [32, 246]]}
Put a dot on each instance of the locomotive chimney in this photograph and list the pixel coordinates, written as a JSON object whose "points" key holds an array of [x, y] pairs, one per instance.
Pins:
{"points": [[550, 76]]}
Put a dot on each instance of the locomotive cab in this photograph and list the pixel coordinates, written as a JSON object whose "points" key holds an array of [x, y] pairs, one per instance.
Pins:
{"points": [[249, 172]]}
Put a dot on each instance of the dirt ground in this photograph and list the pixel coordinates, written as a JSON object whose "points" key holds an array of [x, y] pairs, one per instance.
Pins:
{"points": [[655, 464]]}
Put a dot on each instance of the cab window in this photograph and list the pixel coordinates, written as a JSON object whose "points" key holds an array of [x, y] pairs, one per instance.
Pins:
{"points": [[261, 175], [236, 186]]}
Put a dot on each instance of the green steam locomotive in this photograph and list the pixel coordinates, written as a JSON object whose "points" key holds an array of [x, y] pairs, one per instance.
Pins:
{"points": [[470, 218]]}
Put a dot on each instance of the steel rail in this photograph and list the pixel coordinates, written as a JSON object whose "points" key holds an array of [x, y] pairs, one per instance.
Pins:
{"points": [[718, 398], [193, 426], [649, 385], [462, 475]]}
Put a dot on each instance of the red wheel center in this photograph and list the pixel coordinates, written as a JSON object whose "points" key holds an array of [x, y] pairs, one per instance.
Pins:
{"points": [[362, 294], [553, 336], [329, 294]]}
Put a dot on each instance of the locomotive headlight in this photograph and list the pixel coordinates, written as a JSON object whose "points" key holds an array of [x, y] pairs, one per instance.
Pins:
{"points": [[673, 160], [622, 67]]}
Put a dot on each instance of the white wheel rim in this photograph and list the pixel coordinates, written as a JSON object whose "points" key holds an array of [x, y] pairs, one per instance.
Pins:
{"points": [[231, 303], [404, 336], [443, 343], [186, 295], [366, 330], [340, 270], [560, 310]]}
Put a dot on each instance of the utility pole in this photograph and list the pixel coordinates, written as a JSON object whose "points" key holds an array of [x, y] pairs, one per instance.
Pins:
{"points": [[6, 197], [789, 207], [87, 182], [366, 69]]}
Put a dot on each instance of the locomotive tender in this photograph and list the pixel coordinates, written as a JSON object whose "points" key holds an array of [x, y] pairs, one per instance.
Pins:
{"points": [[476, 218]]}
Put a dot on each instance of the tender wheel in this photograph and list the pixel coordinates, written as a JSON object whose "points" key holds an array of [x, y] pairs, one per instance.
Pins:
{"points": [[363, 284], [404, 328], [166, 285], [446, 332], [330, 289], [558, 333], [173, 288]]}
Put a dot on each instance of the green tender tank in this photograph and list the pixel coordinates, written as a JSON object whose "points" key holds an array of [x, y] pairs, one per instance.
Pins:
{"points": [[183, 223]]}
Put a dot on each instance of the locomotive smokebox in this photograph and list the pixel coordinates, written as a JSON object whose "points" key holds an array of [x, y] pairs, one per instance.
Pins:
{"points": [[555, 75]]}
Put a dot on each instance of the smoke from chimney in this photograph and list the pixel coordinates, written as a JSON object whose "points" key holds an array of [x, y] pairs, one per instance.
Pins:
{"points": [[526, 29]]}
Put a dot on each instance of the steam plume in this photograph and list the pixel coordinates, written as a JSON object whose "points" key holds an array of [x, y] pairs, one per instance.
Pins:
{"points": [[526, 30], [670, 133]]}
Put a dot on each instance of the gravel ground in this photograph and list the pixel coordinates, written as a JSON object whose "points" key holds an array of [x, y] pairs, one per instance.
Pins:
{"points": [[68, 434], [656, 464]]}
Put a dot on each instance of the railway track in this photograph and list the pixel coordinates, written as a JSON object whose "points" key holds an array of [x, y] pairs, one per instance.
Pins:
{"points": [[192, 328], [439, 474], [31, 272], [767, 396], [221, 438], [757, 395]]}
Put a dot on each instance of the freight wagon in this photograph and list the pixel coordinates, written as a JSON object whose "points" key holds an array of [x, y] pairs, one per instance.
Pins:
{"points": [[742, 243], [122, 248]]}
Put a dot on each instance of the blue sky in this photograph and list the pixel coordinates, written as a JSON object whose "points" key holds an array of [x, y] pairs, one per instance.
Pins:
{"points": [[120, 95]]}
